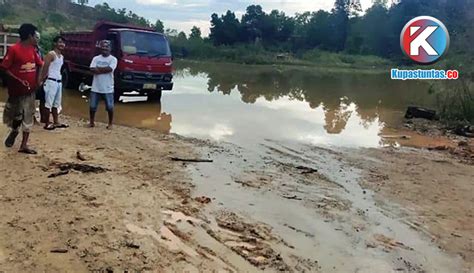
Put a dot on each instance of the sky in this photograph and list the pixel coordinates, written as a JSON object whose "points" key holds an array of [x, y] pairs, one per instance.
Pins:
{"points": [[184, 14]]}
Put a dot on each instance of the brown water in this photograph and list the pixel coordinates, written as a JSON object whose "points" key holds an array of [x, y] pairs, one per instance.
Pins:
{"points": [[248, 104]]}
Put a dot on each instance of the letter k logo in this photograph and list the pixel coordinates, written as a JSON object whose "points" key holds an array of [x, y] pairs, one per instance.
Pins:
{"points": [[424, 39], [421, 41]]}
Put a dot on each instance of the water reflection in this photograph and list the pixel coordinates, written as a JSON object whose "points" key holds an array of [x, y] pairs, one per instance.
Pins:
{"points": [[136, 114], [307, 104], [248, 104]]}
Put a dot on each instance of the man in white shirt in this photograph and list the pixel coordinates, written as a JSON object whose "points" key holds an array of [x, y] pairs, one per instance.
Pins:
{"points": [[103, 67], [51, 76]]}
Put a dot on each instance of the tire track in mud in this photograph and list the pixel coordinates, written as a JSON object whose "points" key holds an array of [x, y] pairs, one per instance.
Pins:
{"points": [[325, 216]]}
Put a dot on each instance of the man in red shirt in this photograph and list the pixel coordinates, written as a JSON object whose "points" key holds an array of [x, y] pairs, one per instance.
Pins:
{"points": [[21, 65]]}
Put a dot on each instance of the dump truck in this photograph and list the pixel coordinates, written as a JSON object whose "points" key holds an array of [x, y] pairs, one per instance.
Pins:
{"points": [[144, 58]]}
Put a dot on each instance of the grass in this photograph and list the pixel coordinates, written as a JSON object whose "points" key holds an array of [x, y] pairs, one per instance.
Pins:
{"points": [[281, 67], [330, 59], [455, 101], [256, 55]]}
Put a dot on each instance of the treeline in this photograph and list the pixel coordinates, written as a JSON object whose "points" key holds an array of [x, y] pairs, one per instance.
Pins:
{"points": [[334, 36], [344, 29]]}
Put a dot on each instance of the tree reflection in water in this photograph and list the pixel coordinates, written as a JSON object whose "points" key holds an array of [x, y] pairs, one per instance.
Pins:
{"points": [[371, 96]]}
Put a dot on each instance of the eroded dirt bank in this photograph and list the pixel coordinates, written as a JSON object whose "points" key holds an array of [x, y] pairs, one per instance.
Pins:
{"points": [[276, 207]]}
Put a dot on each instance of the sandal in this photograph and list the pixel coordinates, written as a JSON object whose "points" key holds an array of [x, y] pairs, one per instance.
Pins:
{"points": [[49, 127], [61, 125], [28, 151], [10, 141]]}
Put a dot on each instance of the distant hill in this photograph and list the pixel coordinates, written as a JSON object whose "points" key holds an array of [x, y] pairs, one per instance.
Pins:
{"points": [[48, 15]]}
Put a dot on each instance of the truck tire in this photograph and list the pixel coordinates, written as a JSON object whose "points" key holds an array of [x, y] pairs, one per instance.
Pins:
{"points": [[117, 95], [155, 97], [68, 79], [3, 78], [65, 77]]}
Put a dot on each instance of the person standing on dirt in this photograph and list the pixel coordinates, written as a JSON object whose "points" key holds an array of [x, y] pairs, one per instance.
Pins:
{"points": [[103, 67], [22, 66], [53, 62]]}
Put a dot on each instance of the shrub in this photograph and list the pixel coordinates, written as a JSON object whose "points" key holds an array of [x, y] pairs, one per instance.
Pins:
{"points": [[455, 101], [6, 9]]}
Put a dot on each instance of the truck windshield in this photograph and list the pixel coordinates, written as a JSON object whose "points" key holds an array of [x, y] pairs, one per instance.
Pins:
{"points": [[145, 44]]}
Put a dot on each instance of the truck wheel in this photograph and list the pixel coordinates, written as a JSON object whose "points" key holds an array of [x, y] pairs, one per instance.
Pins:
{"points": [[117, 95], [3, 78], [155, 96], [69, 80], [65, 75]]}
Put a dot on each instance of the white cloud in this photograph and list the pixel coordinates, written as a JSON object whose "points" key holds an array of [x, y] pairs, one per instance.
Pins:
{"points": [[178, 3], [186, 26], [155, 2]]}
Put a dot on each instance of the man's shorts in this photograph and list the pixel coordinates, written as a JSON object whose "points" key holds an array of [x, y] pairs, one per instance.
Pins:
{"points": [[53, 94], [95, 98], [20, 109]]}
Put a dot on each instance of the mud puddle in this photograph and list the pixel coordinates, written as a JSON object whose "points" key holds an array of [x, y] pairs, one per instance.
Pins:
{"points": [[311, 199]]}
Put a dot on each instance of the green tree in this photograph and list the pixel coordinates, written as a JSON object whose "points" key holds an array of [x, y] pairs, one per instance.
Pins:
{"points": [[341, 12], [225, 30], [253, 22], [159, 26], [170, 32], [195, 33], [182, 36], [318, 30], [83, 2], [105, 12], [285, 25], [372, 32]]}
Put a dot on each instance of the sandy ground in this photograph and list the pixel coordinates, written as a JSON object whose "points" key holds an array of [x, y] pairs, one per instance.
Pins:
{"points": [[137, 216], [277, 208], [434, 192]]}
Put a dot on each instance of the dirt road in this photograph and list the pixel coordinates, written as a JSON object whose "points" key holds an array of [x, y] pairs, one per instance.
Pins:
{"points": [[279, 207]]}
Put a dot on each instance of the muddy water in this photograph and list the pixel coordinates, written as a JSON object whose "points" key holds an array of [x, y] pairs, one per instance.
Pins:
{"points": [[247, 104], [340, 235]]}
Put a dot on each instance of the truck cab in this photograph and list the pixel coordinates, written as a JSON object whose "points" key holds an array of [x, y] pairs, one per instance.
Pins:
{"points": [[144, 58]]}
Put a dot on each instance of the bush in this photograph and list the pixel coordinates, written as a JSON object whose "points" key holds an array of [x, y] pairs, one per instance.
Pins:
{"points": [[343, 60], [6, 10], [56, 19], [201, 49], [456, 101]]}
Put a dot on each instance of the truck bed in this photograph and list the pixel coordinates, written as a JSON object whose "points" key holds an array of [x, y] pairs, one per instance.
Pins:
{"points": [[6, 40], [80, 46]]}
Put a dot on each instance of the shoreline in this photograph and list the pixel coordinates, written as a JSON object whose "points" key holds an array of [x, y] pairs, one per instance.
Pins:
{"points": [[302, 66]]}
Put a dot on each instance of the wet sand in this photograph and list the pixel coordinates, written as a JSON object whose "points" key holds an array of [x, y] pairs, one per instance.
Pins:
{"points": [[284, 207]]}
